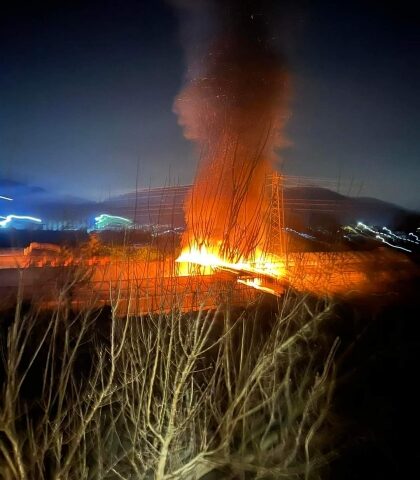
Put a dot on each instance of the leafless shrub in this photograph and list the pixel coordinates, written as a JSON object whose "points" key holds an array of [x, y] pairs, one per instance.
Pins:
{"points": [[210, 394]]}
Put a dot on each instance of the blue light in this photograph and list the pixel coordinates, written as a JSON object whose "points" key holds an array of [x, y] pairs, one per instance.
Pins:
{"points": [[4, 223]]}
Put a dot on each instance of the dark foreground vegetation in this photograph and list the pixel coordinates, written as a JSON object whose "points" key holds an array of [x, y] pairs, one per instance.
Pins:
{"points": [[295, 388], [375, 400]]}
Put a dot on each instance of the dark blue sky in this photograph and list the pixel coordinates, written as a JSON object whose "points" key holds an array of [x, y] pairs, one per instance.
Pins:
{"points": [[87, 90]]}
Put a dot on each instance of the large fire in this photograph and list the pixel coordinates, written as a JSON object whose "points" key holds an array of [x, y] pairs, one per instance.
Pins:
{"points": [[253, 271], [259, 263], [233, 106]]}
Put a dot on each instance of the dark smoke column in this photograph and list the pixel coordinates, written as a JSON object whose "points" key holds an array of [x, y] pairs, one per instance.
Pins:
{"points": [[234, 107]]}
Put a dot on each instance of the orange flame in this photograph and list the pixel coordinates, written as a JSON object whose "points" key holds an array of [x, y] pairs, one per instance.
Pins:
{"points": [[209, 259]]}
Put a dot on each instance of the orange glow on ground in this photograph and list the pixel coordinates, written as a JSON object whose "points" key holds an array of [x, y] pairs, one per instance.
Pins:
{"points": [[319, 273], [258, 284]]}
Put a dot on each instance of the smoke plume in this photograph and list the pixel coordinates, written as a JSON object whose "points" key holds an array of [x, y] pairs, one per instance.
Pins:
{"points": [[233, 105]]}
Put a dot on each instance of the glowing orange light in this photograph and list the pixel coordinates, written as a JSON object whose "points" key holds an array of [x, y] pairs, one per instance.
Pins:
{"points": [[259, 263], [258, 285]]}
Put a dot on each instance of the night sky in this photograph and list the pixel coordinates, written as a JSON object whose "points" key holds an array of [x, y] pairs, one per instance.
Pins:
{"points": [[87, 92]]}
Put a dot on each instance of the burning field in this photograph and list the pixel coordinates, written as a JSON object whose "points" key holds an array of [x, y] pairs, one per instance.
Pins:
{"points": [[233, 106], [223, 352]]}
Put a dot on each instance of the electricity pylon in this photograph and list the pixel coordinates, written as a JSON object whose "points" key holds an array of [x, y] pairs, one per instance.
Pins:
{"points": [[276, 217]]}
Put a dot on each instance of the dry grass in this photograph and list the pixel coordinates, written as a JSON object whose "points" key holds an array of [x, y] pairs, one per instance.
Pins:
{"points": [[211, 394]]}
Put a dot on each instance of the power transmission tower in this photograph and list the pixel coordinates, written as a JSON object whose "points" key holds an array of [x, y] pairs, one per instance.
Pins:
{"points": [[276, 218]]}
